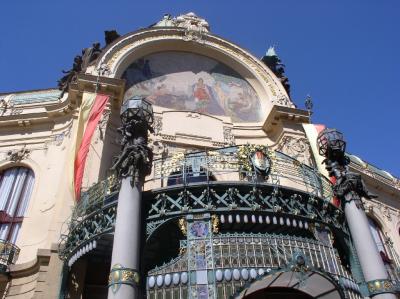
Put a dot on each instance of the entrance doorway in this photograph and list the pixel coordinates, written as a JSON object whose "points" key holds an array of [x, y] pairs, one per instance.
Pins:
{"points": [[278, 293], [288, 284]]}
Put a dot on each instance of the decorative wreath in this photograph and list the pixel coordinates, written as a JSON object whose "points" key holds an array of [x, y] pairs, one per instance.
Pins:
{"points": [[245, 152]]}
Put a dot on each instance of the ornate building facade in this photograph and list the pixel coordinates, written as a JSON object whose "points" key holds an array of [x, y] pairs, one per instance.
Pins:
{"points": [[236, 204]]}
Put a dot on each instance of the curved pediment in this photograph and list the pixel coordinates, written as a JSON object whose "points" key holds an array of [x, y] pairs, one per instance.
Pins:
{"points": [[193, 70]]}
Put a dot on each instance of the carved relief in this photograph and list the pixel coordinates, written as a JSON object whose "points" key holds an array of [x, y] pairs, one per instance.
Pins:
{"points": [[18, 155], [229, 139], [58, 139], [194, 26], [159, 148], [193, 115], [282, 101], [373, 207], [103, 124], [397, 184], [168, 137], [387, 213], [7, 106], [157, 125], [368, 206], [297, 148]]}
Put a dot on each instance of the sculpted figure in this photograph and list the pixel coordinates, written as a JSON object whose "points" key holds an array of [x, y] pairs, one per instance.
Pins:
{"points": [[136, 157], [110, 36], [90, 54], [70, 75]]}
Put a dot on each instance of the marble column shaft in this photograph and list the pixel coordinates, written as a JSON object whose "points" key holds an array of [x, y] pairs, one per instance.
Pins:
{"points": [[370, 259], [126, 246]]}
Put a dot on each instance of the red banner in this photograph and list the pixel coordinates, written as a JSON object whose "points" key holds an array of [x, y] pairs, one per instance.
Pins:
{"points": [[80, 159]]}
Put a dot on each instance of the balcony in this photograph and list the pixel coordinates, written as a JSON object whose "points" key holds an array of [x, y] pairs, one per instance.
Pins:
{"points": [[8, 254], [221, 182]]}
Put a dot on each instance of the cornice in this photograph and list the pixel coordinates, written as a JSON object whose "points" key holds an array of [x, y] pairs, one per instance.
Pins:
{"points": [[393, 185], [280, 114], [35, 113]]}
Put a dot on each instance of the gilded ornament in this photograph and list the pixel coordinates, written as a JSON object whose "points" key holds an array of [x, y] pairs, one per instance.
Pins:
{"points": [[215, 223], [387, 285], [183, 225], [120, 275], [246, 151]]}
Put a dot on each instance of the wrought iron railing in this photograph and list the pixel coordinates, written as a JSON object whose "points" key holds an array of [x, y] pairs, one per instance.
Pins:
{"points": [[223, 164], [8, 254], [96, 197], [184, 171], [229, 164]]}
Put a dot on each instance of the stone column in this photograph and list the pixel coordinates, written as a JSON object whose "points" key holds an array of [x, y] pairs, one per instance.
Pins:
{"points": [[372, 266], [125, 262], [350, 189], [132, 165]]}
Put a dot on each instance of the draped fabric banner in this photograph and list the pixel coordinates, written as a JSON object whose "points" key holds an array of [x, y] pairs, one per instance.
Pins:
{"points": [[312, 132], [84, 111], [99, 105]]}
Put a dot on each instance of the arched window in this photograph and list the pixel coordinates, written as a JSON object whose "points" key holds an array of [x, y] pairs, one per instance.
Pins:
{"points": [[16, 186], [379, 239]]}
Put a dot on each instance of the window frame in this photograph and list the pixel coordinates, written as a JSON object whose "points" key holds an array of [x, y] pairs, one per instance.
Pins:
{"points": [[13, 221]]}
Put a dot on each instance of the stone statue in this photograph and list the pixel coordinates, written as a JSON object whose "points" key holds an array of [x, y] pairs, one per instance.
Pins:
{"points": [[90, 54], [70, 75], [275, 64], [82, 62], [110, 36]]}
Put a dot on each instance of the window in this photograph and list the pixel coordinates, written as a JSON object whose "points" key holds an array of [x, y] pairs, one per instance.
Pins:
{"points": [[379, 239], [189, 176], [16, 186]]}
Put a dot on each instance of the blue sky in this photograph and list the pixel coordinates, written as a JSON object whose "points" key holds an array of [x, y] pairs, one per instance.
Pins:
{"points": [[345, 54]]}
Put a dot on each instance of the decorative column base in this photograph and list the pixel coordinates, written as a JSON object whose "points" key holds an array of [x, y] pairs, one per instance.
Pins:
{"points": [[120, 275], [381, 286]]}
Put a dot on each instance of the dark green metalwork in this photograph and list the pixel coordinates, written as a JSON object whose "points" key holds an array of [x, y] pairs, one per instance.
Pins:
{"points": [[233, 197], [219, 183], [216, 197], [269, 253], [94, 215]]}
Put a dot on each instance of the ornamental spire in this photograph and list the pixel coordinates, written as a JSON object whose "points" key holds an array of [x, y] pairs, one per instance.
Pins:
{"points": [[273, 62]]}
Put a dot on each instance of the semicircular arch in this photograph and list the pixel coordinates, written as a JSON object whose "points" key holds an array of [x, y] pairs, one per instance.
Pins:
{"points": [[315, 284], [120, 55]]}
